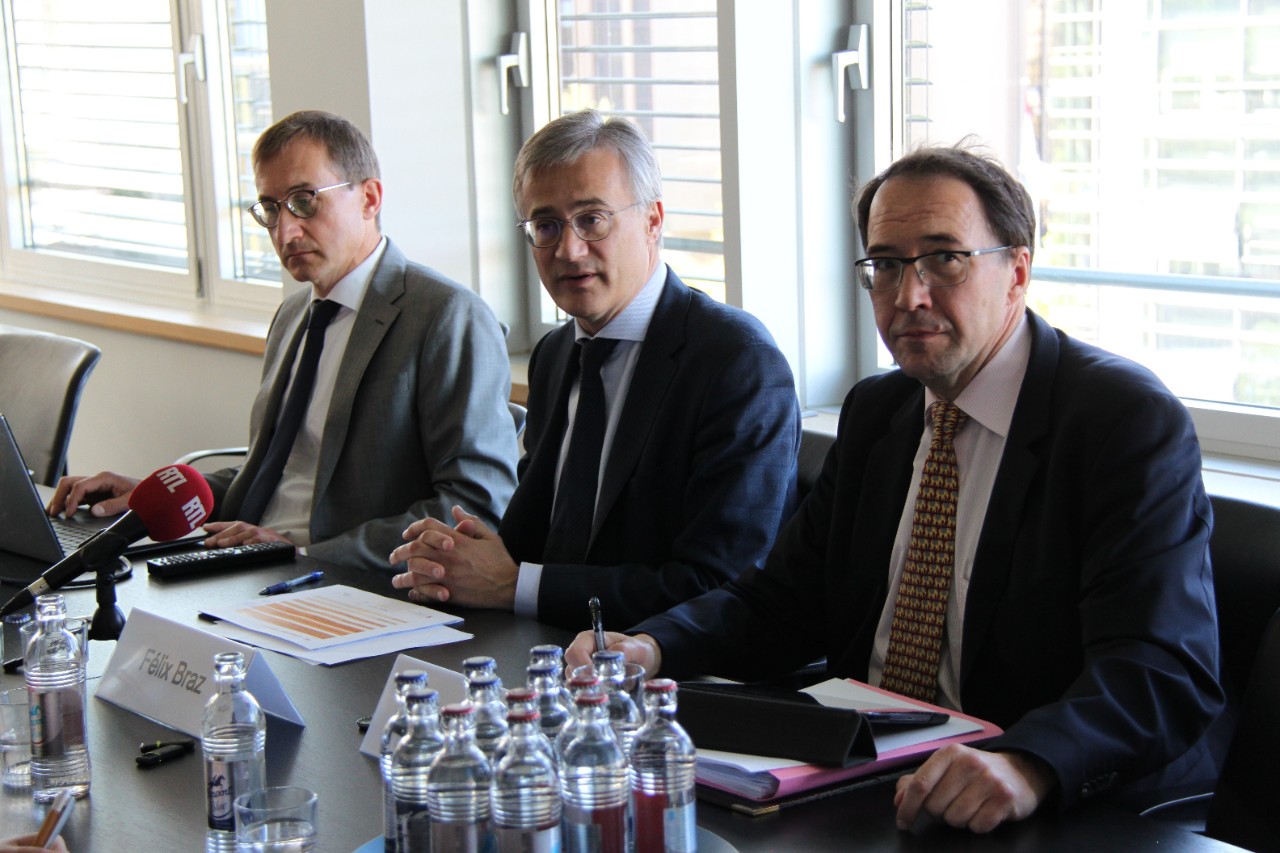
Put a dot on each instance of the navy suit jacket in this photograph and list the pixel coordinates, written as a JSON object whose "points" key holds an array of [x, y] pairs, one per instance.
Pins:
{"points": [[701, 474], [1090, 632]]}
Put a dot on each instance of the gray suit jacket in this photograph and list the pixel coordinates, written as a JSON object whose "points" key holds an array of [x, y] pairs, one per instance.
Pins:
{"points": [[418, 421]]}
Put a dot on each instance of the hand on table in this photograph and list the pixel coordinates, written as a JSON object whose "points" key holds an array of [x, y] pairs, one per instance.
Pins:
{"points": [[27, 844], [467, 564], [641, 649], [226, 534], [966, 787]]}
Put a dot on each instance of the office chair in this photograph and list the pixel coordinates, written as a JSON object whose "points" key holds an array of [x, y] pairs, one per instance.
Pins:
{"points": [[1245, 809], [1245, 551], [518, 414], [41, 377]]}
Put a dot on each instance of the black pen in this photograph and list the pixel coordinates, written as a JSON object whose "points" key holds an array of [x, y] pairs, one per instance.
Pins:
{"points": [[285, 586], [597, 624]]}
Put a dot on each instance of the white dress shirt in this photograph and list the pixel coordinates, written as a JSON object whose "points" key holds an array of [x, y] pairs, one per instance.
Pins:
{"points": [[989, 400], [289, 511]]}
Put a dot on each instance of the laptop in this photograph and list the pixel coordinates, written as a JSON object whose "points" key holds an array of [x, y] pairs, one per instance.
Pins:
{"points": [[27, 530]]}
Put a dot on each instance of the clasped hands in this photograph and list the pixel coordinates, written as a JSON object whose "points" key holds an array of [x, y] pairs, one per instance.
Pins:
{"points": [[467, 564]]}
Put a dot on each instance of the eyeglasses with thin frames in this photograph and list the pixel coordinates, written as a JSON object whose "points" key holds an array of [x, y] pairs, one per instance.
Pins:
{"points": [[543, 232], [944, 268], [301, 203]]}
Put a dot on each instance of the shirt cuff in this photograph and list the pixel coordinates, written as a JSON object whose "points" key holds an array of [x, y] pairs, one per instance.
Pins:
{"points": [[527, 582]]}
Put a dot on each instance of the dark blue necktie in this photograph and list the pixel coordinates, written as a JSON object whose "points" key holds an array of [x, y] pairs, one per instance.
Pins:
{"points": [[304, 380], [575, 504]]}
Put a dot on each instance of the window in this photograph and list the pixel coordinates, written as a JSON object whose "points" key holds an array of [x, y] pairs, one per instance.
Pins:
{"points": [[655, 62], [127, 149], [1149, 135]]}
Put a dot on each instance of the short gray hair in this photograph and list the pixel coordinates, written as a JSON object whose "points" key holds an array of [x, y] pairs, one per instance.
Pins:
{"points": [[564, 140]]}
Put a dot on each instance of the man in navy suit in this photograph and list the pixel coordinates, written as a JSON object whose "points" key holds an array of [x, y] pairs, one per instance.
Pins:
{"points": [[694, 466], [1078, 611]]}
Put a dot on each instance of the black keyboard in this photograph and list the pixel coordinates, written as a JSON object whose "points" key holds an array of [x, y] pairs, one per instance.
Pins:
{"points": [[70, 534], [215, 560]]}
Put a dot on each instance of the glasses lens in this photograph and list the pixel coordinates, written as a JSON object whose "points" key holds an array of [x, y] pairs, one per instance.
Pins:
{"points": [[880, 273], [542, 233], [592, 224], [302, 203], [266, 213], [943, 269]]}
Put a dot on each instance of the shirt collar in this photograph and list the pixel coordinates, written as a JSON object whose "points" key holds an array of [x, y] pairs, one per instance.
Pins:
{"points": [[632, 322], [992, 395], [350, 289]]}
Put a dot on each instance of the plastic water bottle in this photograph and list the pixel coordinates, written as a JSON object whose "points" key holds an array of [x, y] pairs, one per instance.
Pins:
{"points": [[458, 788], [593, 783], [234, 739], [396, 728], [553, 699], [55, 686], [523, 700], [578, 686], [547, 653], [410, 763], [663, 776], [483, 694], [624, 716], [480, 665], [525, 796]]}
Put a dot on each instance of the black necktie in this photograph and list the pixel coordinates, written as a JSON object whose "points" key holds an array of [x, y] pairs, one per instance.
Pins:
{"points": [[575, 503], [304, 379]]}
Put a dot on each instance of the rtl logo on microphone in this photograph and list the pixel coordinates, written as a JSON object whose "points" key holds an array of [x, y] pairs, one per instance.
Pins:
{"points": [[171, 477], [194, 512]]}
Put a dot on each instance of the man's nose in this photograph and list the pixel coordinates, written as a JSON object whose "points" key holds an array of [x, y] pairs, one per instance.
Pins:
{"points": [[912, 291], [571, 245]]}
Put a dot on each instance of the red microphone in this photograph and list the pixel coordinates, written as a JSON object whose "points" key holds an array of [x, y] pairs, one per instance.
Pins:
{"points": [[168, 504]]}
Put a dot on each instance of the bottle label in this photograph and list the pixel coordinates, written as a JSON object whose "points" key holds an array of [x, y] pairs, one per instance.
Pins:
{"points": [[415, 827], [527, 840], [220, 778], [57, 721], [680, 829]]}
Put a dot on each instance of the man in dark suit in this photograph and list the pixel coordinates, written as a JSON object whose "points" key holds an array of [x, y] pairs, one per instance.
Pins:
{"points": [[697, 426], [1076, 609], [408, 412]]}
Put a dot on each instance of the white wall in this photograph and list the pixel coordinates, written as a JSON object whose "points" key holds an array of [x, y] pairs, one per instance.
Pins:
{"points": [[150, 400]]}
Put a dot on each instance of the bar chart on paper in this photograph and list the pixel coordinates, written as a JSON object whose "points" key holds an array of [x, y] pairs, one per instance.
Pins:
{"points": [[332, 615]]}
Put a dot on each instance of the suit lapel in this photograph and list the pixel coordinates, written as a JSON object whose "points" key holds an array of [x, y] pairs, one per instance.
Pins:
{"points": [[1019, 465], [549, 369], [373, 320], [649, 386]]}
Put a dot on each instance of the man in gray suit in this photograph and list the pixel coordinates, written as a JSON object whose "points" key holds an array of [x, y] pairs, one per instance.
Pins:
{"points": [[398, 407]]}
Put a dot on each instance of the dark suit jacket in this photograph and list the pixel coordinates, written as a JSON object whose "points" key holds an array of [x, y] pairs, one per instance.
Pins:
{"points": [[700, 476], [1090, 631], [418, 420]]}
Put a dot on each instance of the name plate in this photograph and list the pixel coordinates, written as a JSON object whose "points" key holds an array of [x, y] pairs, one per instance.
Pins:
{"points": [[451, 686], [163, 670]]}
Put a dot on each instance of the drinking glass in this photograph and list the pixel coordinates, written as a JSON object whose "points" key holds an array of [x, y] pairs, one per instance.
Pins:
{"points": [[276, 820], [15, 738]]}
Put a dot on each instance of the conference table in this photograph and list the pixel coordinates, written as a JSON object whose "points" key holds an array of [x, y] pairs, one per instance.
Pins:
{"points": [[163, 808]]}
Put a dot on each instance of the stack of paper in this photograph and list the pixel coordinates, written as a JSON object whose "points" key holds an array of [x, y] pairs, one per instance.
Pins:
{"points": [[334, 624]]}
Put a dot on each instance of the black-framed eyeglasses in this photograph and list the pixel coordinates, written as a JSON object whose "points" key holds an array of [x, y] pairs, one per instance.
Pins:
{"points": [[944, 268], [301, 203], [543, 232]]}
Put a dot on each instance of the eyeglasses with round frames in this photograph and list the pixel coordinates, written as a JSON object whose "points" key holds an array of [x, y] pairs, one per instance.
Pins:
{"points": [[944, 268], [301, 203], [543, 232]]}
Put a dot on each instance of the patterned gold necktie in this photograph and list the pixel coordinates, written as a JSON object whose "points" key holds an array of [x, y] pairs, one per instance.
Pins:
{"points": [[920, 613]]}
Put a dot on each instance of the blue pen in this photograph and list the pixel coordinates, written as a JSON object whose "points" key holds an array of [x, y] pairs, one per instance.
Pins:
{"points": [[285, 586]]}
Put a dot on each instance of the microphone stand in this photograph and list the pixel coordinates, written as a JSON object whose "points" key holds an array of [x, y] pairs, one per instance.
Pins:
{"points": [[108, 619]]}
